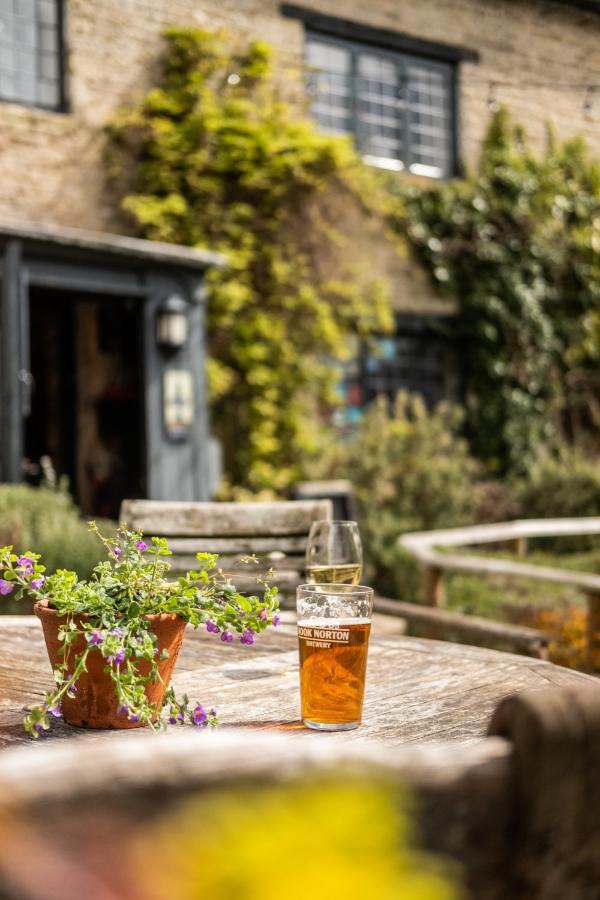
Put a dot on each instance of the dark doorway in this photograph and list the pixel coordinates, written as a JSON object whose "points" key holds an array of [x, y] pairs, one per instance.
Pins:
{"points": [[86, 402]]}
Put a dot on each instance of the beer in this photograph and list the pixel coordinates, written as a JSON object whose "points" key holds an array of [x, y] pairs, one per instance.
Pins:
{"points": [[333, 663], [336, 573]]}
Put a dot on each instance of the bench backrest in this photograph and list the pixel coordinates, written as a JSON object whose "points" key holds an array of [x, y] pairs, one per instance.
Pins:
{"points": [[275, 532]]}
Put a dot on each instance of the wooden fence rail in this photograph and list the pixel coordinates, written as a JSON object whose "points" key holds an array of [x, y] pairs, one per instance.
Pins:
{"points": [[429, 549]]}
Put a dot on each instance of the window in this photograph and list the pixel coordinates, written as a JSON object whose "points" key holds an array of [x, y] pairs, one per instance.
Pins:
{"points": [[399, 107], [420, 357], [30, 52]]}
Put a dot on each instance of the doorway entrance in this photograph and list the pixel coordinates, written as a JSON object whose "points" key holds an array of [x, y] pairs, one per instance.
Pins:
{"points": [[86, 397]]}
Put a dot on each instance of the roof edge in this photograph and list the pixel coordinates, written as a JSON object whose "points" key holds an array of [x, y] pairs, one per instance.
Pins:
{"points": [[107, 242]]}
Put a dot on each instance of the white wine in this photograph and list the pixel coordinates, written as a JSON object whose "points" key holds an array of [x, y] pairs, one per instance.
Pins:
{"points": [[336, 573]]}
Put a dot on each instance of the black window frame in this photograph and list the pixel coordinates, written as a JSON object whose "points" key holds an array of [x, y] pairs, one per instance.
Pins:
{"points": [[401, 61], [62, 104], [395, 44]]}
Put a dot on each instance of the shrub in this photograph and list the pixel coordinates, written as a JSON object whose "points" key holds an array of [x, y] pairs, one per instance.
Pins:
{"points": [[517, 245], [563, 484], [497, 501], [567, 633], [411, 472], [47, 519]]}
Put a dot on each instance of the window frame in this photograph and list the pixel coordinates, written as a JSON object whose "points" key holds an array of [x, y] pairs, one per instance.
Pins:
{"points": [[401, 60], [386, 38], [62, 106]]}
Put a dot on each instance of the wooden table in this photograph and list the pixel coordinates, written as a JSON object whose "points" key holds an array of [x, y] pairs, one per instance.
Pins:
{"points": [[417, 690]]}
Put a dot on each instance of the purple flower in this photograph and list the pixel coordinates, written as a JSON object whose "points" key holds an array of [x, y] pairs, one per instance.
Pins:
{"points": [[212, 627], [180, 717], [94, 638], [25, 562], [134, 718], [172, 720], [123, 709], [55, 710], [116, 551], [227, 637], [247, 636], [117, 631], [263, 613], [276, 620], [71, 690], [213, 712], [6, 587], [36, 583], [198, 715], [38, 727], [141, 546], [118, 657]]}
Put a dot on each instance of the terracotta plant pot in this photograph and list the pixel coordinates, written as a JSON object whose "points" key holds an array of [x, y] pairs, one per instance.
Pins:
{"points": [[95, 704]]}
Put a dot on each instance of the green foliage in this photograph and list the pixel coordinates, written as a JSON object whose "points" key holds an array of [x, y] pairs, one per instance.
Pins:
{"points": [[340, 840], [221, 161], [564, 483], [48, 519], [107, 614], [519, 245], [411, 472]]}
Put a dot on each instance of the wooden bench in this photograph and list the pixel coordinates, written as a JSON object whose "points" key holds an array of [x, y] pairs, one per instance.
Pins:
{"points": [[427, 546], [518, 810], [276, 533]]}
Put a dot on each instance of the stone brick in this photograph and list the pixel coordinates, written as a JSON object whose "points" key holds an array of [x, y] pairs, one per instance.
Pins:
{"points": [[51, 164]]}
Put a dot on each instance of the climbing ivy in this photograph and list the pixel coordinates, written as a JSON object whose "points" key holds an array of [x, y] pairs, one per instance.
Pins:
{"points": [[220, 160], [214, 157], [518, 245]]}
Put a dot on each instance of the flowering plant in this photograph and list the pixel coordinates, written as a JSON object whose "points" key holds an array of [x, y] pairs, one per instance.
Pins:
{"points": [[109, 612]]}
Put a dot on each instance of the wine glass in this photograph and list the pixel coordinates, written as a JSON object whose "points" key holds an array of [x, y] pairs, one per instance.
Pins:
{"points": [[334, 553]]}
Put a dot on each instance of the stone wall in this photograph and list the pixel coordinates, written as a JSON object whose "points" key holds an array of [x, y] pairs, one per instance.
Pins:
{"points": [[51, 164]]}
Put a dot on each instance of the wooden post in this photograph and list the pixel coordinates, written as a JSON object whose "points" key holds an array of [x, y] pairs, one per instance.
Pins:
{"points": [[13, 361], [518, 546], [432, 586], [593, 631]]}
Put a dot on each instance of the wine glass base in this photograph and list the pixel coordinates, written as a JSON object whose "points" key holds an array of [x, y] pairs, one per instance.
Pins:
{"points": [[330, 726]]}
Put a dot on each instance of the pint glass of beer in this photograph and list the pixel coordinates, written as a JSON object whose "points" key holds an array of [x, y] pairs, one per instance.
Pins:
{"points": [[334, 623]]}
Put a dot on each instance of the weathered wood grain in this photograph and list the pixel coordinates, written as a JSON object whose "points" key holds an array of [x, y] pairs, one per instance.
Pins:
{"points": [[239, 544], [517, 810], [417, 690], [212, 520], [275, 532]]}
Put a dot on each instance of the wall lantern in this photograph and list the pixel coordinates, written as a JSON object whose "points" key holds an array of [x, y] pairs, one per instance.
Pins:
{"points": [[172, 324]]}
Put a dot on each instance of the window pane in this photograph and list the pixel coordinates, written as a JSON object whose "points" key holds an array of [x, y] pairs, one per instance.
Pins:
{"points": [[430, 126], [398, 107], [30, 52], [330, 85], [380, 107], [25, 9]]}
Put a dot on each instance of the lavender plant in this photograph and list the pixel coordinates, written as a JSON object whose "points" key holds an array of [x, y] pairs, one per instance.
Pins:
{"points": [[109, 611]]}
